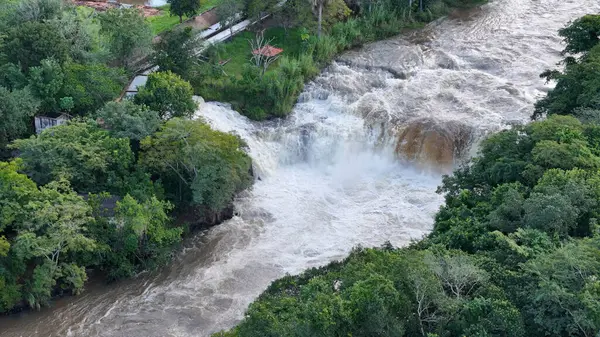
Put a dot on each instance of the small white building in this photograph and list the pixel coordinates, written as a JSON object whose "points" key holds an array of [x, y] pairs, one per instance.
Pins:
{"points": [[43, 122]]}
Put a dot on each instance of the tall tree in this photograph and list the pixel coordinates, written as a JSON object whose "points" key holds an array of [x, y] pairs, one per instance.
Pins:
{"points": [[46, 81], [176, 51], [129, 35], [318, 6], [199, 166], [30, 43], [46, 227], [581, 35], [128, 120], [16, 112], [138, 235], [228, 13], [294, 13], [168, 94], [184, 7]]}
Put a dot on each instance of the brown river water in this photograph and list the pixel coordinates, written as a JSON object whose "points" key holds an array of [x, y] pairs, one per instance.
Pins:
{"points": [[357, 163]]}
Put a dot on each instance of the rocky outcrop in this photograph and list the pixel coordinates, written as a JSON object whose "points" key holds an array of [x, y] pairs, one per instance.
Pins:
{"points": [[431, 142]]}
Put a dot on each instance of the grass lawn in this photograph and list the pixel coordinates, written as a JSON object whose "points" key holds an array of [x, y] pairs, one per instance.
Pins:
{"points": [[165, 21], [238, 48]]}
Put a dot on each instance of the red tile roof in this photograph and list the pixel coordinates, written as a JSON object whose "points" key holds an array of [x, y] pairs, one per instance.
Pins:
{"points": [[267, 50]]}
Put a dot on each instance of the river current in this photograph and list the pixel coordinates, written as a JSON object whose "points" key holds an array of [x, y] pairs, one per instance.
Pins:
{"points": [[357, 163]]}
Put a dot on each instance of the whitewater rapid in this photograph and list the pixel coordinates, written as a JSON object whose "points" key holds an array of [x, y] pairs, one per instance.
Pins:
{"points": [[357, 163]]}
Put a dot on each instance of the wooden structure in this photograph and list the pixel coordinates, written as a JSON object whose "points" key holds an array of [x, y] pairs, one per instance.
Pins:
{"points": [[268, 51]]}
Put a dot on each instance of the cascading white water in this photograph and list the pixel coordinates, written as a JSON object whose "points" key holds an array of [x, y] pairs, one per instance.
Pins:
{"points": [[341, 171]]}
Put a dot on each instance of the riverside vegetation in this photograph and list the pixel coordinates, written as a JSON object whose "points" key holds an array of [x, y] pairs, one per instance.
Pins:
{"points": [[102, 192], [293, 26], [515, 250]]}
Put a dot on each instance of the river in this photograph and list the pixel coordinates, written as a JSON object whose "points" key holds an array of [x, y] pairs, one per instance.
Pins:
{"points": [[330, 175]]}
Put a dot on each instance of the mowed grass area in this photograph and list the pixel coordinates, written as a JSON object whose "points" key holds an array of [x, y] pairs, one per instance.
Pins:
{"points": [[165, 21], [239, 51]]}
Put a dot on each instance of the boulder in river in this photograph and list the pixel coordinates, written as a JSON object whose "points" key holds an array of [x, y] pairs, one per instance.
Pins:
{"points": [[438, 143]]}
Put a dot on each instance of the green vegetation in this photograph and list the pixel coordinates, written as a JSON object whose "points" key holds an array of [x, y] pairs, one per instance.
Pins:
{"points": [[168, 94], [577, 85], [238, 50], [166, 20], [96, 193], [261, 94], [197, 165], [175, 51], [515, 250], [128, 35]]}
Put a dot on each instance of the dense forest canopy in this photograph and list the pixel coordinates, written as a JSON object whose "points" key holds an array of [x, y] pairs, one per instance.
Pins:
{"points": [[515, 250], [96, 193]]}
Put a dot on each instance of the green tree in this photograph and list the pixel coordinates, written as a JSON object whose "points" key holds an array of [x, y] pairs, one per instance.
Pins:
{"points": [[81, 27], [176, 51], [168, 94], [199, 166], [138, 236], [228, 12], [129, 35], [81, 153], [46, 81], [581, 35], [56, 226], [127, 120], [30, 43], [294, 13], [558, 299], [45, 228], [91, 85], [484, 317], [16, 111], [184, 7], [11, 77], [38, 10]]}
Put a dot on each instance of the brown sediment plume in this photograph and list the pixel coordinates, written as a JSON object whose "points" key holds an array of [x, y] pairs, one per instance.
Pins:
{"points": [[433, 143]]}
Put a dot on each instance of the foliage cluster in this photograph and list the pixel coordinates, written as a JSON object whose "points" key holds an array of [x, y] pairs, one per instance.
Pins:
{"points": [[102, 191], [77, 198], [57, 58]]}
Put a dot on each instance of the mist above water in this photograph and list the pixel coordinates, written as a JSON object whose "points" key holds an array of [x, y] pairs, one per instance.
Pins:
{"points": [[357, 163]]}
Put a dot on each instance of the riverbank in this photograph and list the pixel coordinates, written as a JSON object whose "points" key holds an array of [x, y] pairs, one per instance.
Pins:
{"points": [[262, 95]]}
